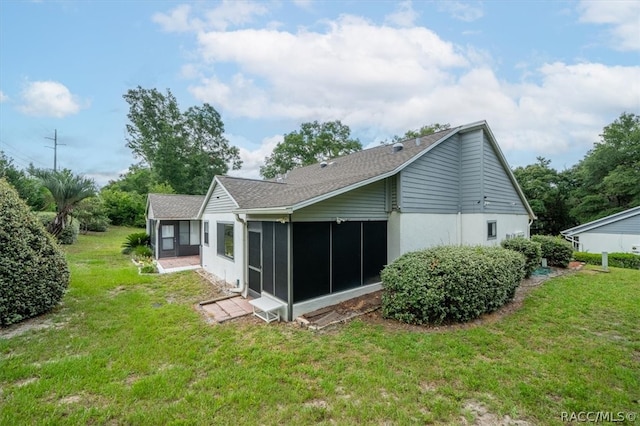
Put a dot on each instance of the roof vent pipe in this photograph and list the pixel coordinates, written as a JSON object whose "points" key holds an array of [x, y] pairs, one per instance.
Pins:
{"points": [[417, 141], [323, 164], [397, 147]]}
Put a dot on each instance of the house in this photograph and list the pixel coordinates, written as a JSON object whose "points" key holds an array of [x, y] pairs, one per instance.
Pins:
{"points": [[173, 224], [618, 233], [323, 233]]}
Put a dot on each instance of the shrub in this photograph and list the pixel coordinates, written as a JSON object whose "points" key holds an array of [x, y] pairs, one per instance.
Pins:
{"points": [[33, 271], [450, 283], [134, 240], [141, 252], [69, 234], [531, 250], [124, 208], [619, 260], [92, 215], [556, 250]]}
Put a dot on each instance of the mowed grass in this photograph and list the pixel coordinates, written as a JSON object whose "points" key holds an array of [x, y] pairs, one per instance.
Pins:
{"points": [[131, 349]]}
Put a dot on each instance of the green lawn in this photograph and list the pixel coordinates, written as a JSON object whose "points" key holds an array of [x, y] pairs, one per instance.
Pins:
{"points": [[131, 349]]}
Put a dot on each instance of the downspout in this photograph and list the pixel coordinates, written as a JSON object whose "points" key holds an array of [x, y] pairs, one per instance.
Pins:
{"points": [[242, 287], [529, 228], [459, 227]]}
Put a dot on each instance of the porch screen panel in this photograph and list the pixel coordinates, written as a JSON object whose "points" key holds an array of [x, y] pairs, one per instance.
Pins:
{"points": [[281, 255], [267, 257], [184, 232], [345, 255], [311, 260], [254, 249], [374, 248]]}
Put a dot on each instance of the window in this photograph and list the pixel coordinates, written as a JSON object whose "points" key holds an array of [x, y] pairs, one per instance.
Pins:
{"points": [[225, 239], [206, 232], [492, 230], [189, 233]]}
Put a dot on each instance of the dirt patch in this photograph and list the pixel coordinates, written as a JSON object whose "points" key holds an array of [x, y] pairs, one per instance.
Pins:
{"points": [[42, 322], [482, 417]]}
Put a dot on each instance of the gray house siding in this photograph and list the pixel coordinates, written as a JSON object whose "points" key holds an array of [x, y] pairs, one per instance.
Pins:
{"points": [[431, 183], [501, 196], [471, 171], [628, 226], [366, 203], [219, 202]]}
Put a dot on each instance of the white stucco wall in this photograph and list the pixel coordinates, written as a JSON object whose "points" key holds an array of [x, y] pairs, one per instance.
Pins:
{"points": [[474, 227], [611, 243], [229, 270], [415, 231]]}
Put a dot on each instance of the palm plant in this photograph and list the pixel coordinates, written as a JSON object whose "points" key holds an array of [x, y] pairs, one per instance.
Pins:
{"points": [[67, 190]]}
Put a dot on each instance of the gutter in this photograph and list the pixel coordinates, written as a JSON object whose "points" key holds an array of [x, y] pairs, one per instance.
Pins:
{"points": [[242, 287]]}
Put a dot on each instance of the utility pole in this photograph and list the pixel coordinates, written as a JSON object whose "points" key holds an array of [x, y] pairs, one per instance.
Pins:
{"points": [[55, 148]]}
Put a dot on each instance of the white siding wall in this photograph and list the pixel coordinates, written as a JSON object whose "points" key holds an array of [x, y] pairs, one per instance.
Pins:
{"points": [[224, 268], [611, 243]]}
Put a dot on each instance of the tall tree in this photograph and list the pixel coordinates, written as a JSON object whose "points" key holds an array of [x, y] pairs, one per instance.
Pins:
{"points": [[547, 193], [67, 191], [313, 143], [182, 149], [426, 130], [609, 175]]}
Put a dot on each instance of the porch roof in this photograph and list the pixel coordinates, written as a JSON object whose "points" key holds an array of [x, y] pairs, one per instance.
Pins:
{"points": [[173, 206]]}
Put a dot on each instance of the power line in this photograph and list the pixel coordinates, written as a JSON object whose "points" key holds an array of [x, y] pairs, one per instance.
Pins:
{"points": [[55, 148]]}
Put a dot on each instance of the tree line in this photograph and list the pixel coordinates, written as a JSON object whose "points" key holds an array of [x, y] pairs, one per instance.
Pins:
{"points": [[181, 151]]}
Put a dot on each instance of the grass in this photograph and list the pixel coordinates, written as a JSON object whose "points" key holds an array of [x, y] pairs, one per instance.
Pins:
{"points": [[125, 348]]}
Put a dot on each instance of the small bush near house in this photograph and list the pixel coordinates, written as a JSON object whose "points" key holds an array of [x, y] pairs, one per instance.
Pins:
{"points": [[33, 271], [556, 250], [450, 283], [531, 250], [137, 239], [618, 260], [141, 252], [69, 234]]}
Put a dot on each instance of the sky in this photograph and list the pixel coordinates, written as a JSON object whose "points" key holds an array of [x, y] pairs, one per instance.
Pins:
{"points": [[547, 76]]}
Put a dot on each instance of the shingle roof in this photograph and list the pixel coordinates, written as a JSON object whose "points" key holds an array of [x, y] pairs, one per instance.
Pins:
{"points": [[309, 182], [626, 214], [174, 206]]}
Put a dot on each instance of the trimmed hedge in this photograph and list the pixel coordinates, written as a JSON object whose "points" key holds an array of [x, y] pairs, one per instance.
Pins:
{"points": [[33, 270], [618, 260], [450, 283], [556, 250], [69, 234], [531, 250]]}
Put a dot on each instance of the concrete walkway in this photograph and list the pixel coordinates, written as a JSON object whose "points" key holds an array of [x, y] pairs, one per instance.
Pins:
{"points": [[227, 309]]}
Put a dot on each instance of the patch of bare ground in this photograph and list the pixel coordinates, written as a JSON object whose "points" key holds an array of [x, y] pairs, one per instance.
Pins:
{"points": [[483, 417], [41, 322]]}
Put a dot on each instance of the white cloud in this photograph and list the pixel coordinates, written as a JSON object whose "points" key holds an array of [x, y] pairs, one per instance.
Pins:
{"points": [[467, 12], [381, 81], [253, 159], [405, 16], [48, 99], [226, 14], [3, 97], [622, 16]]}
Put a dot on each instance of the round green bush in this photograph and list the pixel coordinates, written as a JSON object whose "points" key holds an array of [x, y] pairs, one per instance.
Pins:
{"points": [[33, 271], [69, 234], [556, 250], [450, 283], [531, 250]]}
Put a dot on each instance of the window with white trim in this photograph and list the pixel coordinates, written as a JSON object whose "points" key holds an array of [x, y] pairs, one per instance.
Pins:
{"points": [[492, 230], [224, 233]]}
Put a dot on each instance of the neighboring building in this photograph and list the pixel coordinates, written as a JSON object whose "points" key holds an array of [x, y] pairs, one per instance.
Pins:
{"points": [[173, 224], [323, 233], [618, 233]]}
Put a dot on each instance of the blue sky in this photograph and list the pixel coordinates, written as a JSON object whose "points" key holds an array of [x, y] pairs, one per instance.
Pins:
{"points": [[546, 75]]}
